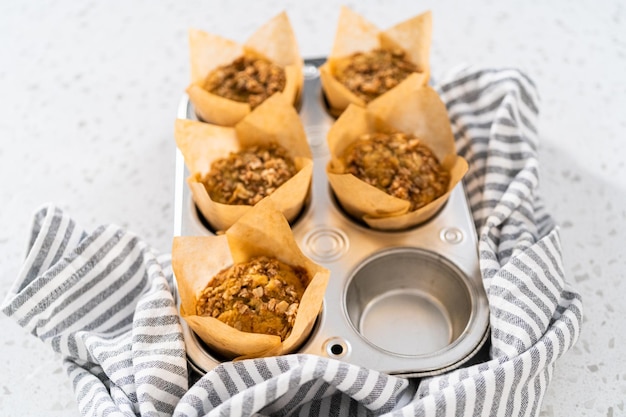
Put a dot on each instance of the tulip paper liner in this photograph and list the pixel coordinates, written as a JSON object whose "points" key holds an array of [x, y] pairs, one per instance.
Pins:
{"points": [[275, 41], [275, 120], [356, 34], [412, 109], [263, 231]]}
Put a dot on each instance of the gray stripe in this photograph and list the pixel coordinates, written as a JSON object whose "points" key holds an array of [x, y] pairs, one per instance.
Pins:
{"points": [[340, 374], [358, 383], [393, 398], [335, 404], [161, 365], [282, 364], [354, 409], [298, 396], [440, 404], [508, 296], [72, 346], [64, 286], [195, 402], [160, 383], [156, 321], [157, 304], [518, 325], [242, 370], [271, 390], [539, 281], [47, 242], [226, 379], [377, 390], [29, 292], [121, 326], [500, 378], [38, 220], [65, 240], [211, 392], [159, 405], [518, 369], [247, 406], [312, 407], [97, 301], [86, 389], [474, 94], [460, 397], [103, 400]]}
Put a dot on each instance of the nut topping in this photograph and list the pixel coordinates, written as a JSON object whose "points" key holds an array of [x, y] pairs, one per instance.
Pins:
{"points": [[244, 297], [248, 176], [398, 164], [370, 74], [247, 79]]}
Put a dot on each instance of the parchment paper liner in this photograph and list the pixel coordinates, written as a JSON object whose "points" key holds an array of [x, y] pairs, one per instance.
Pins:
{"points": [[356, 34], [274, 120], [274, 41], [262, 231], [411, 108]]}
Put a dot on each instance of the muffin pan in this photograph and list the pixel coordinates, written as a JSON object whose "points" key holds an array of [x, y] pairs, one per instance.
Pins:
{"points": [[409, 302]]}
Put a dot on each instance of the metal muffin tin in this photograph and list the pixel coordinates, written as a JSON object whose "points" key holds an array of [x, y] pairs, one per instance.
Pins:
{"points": [[408, 302]]}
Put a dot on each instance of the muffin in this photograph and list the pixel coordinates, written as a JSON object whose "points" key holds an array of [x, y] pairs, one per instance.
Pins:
{"points": [[261, 295], [399, 164], [250, 292], [366, 62], [264, 156], [228, 79], [393, 163]]}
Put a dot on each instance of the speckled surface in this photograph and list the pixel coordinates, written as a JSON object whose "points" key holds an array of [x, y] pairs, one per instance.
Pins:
{"points": [[89, 95]]}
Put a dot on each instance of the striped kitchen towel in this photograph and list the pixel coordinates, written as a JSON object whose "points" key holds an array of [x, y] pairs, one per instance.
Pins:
{"points": [[103, 300]]}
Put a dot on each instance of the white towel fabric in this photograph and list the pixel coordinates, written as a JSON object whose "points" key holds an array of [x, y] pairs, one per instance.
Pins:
{"points": [[103, 300]]}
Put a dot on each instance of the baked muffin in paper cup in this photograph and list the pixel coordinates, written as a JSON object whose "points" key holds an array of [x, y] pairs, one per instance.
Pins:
{"points": [[275, 121], [412, 109], [263, 231], [274, 42], [411, 38]]}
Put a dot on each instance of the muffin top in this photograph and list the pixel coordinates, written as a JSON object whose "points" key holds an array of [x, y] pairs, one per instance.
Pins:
{"points": [[248, 79], [249, 175], [258, 296], [399, 164], [370, 74]]}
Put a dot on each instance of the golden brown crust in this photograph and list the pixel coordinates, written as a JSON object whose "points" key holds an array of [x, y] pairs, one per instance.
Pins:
{"points": [[399, 164], [249, 175], [247, 79], [258, 296], [371, 74]]}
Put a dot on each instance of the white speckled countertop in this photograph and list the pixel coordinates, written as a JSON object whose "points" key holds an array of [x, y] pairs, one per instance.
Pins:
{"points": [[89, 96]]}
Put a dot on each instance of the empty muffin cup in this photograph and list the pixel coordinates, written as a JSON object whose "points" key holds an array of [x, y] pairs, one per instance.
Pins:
{"points": [[409, 302]]}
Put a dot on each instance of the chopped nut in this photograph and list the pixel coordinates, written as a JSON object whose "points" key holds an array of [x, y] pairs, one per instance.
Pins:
{"points": [[258, 292], [293, 308], [282, 306]]}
